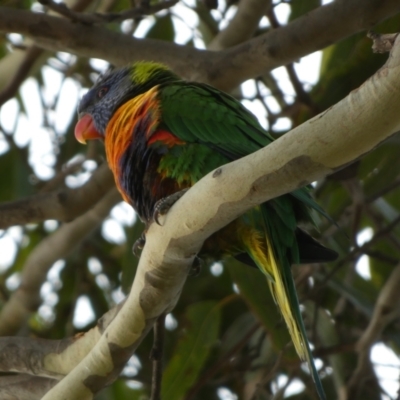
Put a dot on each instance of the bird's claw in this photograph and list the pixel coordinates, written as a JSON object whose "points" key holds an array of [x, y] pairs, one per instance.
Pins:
{"points": [[139, 244], [163, 205], [196, 267]]}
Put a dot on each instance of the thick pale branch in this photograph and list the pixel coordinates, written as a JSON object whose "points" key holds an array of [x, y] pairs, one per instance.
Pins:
{"points": [[57, 246], [224, 69], [62, 205], [324, 144]]}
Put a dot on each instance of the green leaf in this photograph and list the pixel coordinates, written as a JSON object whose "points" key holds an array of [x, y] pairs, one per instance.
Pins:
{"points": [[333, 198], [120, 390], [301, 7], [380, 167], [20, 4], [200, 334], [345, 66], [360, 293], [236, 332], [163, 29], [379, 269], [3, 48], [14, 176]]}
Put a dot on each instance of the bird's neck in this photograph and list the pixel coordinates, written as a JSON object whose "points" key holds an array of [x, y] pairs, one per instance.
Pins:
{"points": [[134, 120]]}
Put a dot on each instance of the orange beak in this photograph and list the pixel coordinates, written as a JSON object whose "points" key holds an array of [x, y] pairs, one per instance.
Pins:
{"points": [[85, 130]]}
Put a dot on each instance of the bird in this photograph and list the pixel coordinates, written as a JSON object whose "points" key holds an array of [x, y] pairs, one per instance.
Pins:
{"points": [[162, 134]]}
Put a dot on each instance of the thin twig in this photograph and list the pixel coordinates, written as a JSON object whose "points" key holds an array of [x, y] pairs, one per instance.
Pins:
{"points": [[385, 312], [378, 255], [59, 179], [360, 250], [302, 96], [335, 349], [391, 186], [156, 356], [32, 54], [270, 375], [97, 18]]}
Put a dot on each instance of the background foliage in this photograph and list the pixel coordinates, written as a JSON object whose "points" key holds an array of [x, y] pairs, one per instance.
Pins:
{"points": [[225, 339]]}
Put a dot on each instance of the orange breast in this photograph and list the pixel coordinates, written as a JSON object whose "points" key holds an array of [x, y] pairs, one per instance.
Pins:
{"points": [[141, 111]]}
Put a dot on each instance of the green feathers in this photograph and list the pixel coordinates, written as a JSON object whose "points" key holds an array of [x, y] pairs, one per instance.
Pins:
{"points": [[142, 72], [201, 114], [188, 164]]}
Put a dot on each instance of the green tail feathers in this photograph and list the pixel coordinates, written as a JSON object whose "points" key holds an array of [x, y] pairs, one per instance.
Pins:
{"points": [[271, 250]]}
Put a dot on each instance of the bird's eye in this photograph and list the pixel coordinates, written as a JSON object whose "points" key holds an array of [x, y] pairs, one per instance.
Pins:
{"points": [[102, 92]]}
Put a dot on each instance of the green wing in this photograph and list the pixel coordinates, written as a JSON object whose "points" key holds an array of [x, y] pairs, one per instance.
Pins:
{"points": [[198, 113]]}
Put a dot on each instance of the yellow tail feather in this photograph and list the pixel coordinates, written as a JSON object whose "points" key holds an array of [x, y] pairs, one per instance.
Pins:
{"points": [[263, 255]]}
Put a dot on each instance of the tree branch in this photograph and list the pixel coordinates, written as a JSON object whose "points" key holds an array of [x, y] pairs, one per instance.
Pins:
{"points": [[26, 298], [27, 355], [24, 387], [156, 355], [30, 57], [243, 25], [98, 18], [32, 54], [62, 205], [319, 147], [225, 69], [51, 358], [387, 309]]}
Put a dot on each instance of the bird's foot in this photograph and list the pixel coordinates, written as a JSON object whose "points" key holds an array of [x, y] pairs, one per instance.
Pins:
{"points": [[196, 267], [163, 205], [139, 244]]}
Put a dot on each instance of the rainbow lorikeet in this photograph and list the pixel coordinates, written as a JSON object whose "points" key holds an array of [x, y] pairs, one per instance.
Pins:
{"points": [[162, 134]]}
